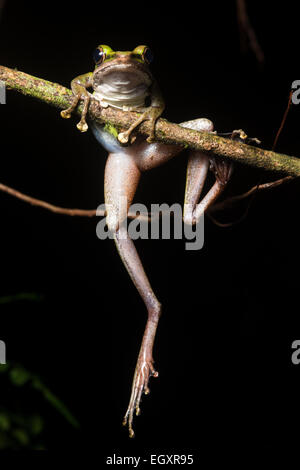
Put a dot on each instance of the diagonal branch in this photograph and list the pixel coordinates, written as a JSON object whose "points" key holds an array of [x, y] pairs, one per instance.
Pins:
{"points": [[115, 119]]}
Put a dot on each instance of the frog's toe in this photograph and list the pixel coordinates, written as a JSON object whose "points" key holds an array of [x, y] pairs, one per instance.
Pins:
{"points": [[82, 126], [104, 104], [151, 138], [123, 137], [144, 370], [65, 113]]}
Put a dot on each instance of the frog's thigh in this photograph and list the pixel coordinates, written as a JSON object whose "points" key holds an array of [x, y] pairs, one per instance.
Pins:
{"points": [[121, 179], [149, 156]]}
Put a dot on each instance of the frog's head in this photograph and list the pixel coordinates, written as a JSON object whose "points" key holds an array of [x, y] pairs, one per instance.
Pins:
{"points": [[122, 69]]}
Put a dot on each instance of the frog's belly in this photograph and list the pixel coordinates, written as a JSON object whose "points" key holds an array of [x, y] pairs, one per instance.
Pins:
{"points": [[119, 97], [106, 139]]}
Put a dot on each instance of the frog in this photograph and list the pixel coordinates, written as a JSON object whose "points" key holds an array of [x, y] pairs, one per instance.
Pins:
{"points": [[123, 80]]}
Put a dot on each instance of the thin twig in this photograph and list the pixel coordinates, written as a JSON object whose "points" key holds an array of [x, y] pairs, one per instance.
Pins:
{"points": [[63, 210], [231, 200], [46, 205], [283, 120], [246, 30], [259, 186], [143, 217]]}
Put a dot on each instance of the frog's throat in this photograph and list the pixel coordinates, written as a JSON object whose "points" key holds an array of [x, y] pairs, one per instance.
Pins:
{"points": [[121, 100]]}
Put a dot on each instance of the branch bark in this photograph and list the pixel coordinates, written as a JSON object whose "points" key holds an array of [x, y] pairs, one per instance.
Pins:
{"points": [[167, 132]]}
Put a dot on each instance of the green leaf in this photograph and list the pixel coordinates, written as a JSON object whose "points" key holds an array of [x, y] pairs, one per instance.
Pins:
{"points": [[55, 402]]}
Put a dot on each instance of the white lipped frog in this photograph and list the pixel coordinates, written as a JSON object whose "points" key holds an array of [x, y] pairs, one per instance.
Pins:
{"points": [[123, 80]]}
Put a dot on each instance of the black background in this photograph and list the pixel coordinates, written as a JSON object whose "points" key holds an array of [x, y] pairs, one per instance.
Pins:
{"points": [[230, 314]]}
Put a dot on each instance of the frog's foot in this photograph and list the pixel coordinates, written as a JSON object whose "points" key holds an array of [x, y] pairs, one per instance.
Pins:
{"points": [[239, 134], [66, 113], [143, 371], [222, 169], [82, 125], [151, 114]]}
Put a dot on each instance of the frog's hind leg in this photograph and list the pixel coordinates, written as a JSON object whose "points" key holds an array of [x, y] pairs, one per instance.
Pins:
{"points": [[121, 179], [198, 165]]}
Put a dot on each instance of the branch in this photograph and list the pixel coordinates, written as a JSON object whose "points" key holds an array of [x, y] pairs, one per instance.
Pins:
{"points": [[167, 132]]}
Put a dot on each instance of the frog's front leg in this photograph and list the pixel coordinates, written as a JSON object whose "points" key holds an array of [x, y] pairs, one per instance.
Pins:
{"points": [[152, 113], [79, 87]]}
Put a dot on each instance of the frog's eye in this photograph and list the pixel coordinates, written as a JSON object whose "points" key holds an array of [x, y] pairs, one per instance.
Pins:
{"points": [[101, 53], [98, 56], [144, 53], [147, 55]]}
